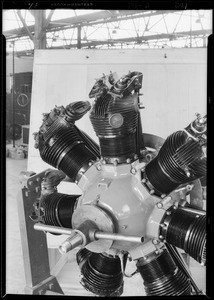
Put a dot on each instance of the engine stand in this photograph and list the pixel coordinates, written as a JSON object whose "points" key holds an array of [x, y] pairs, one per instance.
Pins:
{"points": [[39, 281]]}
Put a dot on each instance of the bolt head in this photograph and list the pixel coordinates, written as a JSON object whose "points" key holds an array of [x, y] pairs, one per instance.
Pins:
{"points": [[159, 205], [98, 167], [155, 242], [133, 171]]}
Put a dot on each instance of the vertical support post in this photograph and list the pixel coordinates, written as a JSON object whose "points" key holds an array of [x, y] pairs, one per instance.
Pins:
{"points": [[39, 36], [13, 95], [34, 248], [79, 37]]}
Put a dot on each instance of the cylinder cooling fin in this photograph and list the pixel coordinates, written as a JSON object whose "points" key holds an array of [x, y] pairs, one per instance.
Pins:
{"points": [[62, 145], [180, 160], [134, 189], [162, 277], [58, 209], [186, 230], [102, 274], [114, 117]]}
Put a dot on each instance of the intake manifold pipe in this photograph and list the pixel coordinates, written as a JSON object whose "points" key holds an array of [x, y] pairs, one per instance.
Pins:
{"points": [[185, 229]]}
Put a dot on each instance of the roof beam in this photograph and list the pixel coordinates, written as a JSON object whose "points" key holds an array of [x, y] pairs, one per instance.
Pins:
{"points": [[87, 20], [144, 38], [196, 33], [25, 25]]}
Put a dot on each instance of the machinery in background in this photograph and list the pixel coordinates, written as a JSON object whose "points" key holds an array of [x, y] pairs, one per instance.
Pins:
{"points": [[22, 103], [141, 196]]}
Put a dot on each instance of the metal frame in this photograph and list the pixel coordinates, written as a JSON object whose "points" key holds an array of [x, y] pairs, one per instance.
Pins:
{"points": [[77, 31], [39, 281]]}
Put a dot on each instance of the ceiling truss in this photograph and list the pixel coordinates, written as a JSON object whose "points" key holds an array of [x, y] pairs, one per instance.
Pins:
{"points": [[110, 20]]}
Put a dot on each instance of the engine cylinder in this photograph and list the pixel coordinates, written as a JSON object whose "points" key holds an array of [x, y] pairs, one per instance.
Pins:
{"points": [[102, 275], [58, 209], [186, 230], [115, 122], [178, 162], [63, 148], [162, 277], [82, 256]]}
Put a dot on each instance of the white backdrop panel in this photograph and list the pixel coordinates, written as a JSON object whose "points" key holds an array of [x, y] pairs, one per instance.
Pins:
{"points": [[174, 86]]}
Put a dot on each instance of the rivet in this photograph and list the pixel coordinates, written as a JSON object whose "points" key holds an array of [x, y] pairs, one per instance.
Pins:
{"points": [[90, 164], [159, 205], [160, 237], [143, 180], [152, 192], [168, 213], [133, 171]]}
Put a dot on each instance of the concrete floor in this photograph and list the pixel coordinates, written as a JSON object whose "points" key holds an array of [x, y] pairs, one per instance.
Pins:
{"points": [[69, 276]]}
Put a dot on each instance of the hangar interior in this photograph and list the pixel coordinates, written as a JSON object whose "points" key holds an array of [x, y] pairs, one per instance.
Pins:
{"points": [[106, 152]]}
